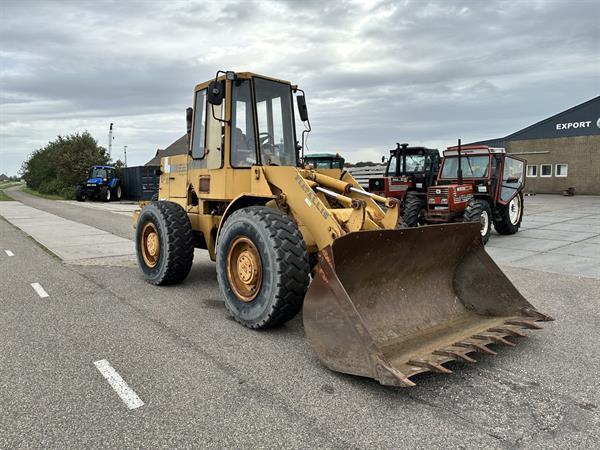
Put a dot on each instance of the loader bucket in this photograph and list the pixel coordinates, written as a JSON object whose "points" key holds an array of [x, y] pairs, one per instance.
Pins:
{"points": [[390, 304]]}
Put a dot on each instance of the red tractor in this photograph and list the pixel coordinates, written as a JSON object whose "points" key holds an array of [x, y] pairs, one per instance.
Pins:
{"points": [[409, 170], [474, 183]]}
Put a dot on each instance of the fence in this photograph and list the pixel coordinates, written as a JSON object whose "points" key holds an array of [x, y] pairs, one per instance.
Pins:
{"points": [[364, 174]]}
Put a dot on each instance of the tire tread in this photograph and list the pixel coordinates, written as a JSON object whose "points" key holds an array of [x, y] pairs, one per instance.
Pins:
{"points": [[292, 277]]}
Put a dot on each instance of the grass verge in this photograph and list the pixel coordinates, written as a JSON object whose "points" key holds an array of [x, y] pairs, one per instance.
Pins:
{"points": [[4, 197], [39, 194]]}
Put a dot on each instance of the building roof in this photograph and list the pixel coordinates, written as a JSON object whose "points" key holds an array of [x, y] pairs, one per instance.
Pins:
{"points": [[179, 147], [580, 120]]}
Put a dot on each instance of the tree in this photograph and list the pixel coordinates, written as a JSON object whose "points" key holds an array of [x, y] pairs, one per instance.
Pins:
{"points": [[58, 167]]}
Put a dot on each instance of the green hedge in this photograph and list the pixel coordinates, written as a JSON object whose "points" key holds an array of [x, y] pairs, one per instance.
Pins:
{"points": [[57, 168]]}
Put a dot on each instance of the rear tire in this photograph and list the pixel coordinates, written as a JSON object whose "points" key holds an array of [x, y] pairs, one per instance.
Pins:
{"points": [[173, 244], [105, 195], [80, 194], [480, 211], [414, 208], [509, 216], [279, 261], [118, 193]]}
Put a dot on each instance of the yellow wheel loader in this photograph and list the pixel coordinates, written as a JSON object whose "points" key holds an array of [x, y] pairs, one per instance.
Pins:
{"points": [[377, 301]]}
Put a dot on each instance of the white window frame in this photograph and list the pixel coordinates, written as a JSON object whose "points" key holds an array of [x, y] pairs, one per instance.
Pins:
{"points": [[527, 171], [542, 172], [566, 166]]}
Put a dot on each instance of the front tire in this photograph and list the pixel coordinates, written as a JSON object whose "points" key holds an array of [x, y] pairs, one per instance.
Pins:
{"points": [[414, 210], [480, 211], [105, 194], [509, 216], [262, 267], [164, 243], [80, 194]]}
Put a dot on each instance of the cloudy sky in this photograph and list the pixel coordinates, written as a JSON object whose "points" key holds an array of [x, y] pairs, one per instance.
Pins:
{"points": [[375, 72]]}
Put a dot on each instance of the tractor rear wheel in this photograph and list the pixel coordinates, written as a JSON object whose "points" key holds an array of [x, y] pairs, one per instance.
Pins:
{"points": [[414, 210], [262, 267], [80, 193], [480, 211], [105, 195], [164, 243], [118, 193], [509, 216]]}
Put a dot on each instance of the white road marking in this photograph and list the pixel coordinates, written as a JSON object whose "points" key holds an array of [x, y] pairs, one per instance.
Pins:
{"points": [[128, 395], [37, 287], [9, 253]]}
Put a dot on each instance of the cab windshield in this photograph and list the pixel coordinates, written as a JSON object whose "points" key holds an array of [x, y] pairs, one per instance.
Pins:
{"points": [[472, 167], [325, 163], [275, 118], [98, 173], [415, 163]]}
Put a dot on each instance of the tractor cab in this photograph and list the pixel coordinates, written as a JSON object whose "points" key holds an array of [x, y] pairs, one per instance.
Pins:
{"points": [[325, 161], [408, 169]]}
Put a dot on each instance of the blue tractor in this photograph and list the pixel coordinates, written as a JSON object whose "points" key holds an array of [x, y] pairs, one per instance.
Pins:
{"points": [[102, 184]]}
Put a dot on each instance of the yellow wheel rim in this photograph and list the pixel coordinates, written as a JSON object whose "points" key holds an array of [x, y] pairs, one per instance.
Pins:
{"points": [[150, 244], [244, 268]]}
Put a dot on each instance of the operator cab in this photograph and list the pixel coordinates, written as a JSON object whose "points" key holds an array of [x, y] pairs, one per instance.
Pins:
{"points": [[325, 161], [478, 164], [407, 169], [257, 113]]}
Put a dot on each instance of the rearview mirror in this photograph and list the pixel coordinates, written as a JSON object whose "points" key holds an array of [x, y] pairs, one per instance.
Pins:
{"points": [[302, 110], [189, 113], [216, 92]]}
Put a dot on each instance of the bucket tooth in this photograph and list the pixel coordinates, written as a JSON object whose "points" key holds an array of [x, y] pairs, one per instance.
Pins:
{"points": [[495, 338], [507, 330], [481, 348], [455, 354], [386, 372], [430, 365], [525, 324], [537, 315]]}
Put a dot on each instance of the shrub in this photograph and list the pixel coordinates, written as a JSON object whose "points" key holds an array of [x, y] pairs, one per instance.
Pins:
{"points": [[58, 167]]}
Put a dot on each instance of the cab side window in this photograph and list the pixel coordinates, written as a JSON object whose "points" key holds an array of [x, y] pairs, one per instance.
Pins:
{"points": [[243, 143], [199, 131]]}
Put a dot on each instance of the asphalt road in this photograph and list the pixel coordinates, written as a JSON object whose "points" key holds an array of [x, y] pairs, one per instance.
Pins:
{"points": [[208, 382]]}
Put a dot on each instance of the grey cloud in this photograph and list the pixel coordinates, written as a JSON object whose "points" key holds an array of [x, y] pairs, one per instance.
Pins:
{"points": [[375, 72]]}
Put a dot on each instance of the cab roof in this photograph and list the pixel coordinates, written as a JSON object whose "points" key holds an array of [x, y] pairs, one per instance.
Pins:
{"points": [[239, 75], [323, 155], [473, 150]]}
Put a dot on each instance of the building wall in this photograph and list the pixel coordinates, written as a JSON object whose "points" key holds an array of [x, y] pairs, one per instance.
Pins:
{"points": [[581, 153]]}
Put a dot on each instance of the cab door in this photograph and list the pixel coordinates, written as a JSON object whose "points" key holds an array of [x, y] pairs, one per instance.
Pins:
{"points": [[512, 178]]}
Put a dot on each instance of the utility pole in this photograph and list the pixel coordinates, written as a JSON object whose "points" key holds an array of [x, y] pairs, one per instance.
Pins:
{"points": [[125, 153], [110, 139]]}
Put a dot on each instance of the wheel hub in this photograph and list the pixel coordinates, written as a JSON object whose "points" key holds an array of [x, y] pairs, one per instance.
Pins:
{"points": [[484, 222], [244, 268], [514, 210], [150, 244]]}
